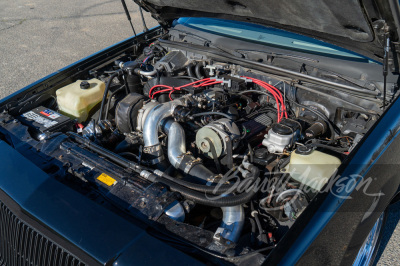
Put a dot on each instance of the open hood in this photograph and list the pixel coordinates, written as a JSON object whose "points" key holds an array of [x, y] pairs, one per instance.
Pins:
{"points": [[359, 26]]}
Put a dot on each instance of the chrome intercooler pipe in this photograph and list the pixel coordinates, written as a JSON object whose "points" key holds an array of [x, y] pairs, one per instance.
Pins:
{"points": [[232, 223], [152, 148], [153, 121], [233, 217], [176, 142]]}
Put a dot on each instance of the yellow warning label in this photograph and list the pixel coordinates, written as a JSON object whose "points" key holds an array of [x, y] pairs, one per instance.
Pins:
{"points": [[106, 179]]}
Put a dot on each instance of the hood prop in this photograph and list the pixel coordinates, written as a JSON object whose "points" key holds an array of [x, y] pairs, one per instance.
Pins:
{"points": [[143, 20], [128, 16], [385, 66]]}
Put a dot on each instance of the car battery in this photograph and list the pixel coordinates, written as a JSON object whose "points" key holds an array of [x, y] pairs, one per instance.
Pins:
{"points": [[43, 121]]}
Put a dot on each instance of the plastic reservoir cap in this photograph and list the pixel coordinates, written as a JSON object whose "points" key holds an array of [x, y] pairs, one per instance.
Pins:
{"points": [[304, 150], [84, 85]]}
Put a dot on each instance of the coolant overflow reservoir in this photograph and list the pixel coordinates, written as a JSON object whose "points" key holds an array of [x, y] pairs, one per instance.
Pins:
{"points": [[78, 98], [312, 168]]}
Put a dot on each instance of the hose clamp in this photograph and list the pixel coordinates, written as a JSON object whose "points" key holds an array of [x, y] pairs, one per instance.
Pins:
{"points": [[153, 154], [153, 150], [188, 162]]}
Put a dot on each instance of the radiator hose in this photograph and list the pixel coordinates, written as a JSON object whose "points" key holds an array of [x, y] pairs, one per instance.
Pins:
{"points": [[212, 189], [201, 198]]}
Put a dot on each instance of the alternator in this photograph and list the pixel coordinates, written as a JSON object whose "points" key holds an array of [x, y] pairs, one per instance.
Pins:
{"points": [[219, 134]]}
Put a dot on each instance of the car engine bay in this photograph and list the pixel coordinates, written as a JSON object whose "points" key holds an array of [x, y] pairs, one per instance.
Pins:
{"points": [[213, 156]]}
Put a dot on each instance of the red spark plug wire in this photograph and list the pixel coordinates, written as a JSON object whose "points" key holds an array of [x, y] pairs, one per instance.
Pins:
{"points": [[196, 84], [280, 103]]}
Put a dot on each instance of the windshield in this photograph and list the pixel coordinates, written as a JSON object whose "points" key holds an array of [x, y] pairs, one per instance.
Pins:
{"points": [[270, 36]]}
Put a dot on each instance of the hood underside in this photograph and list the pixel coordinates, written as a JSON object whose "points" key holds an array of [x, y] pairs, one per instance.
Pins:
{"points": [[355, 25]]}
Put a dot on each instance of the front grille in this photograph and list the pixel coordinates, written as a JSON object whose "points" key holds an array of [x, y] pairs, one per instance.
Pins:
{"points": [[20, 244]]}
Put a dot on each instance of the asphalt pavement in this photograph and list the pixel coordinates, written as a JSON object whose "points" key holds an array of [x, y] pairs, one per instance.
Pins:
{"points": [[38, 37]]}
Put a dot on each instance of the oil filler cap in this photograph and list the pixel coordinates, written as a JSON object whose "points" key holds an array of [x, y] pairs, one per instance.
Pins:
{"points": [[84, 85]]}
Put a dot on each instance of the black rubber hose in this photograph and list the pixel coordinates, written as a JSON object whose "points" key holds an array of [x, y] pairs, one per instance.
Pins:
{"points": [[129, 154], [197, 70], [106, 92], [215, 201], [251, 153], [203, 188], [337, 149], [188, 189], [198, 171], [158, 77], [109, 100], [201, 198], [253, 231], [190, 72], [283, 162], [262, 235]]}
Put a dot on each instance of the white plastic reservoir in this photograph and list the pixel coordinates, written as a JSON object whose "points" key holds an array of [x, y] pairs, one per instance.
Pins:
{"points": [[312, 169], [78, 98]]}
